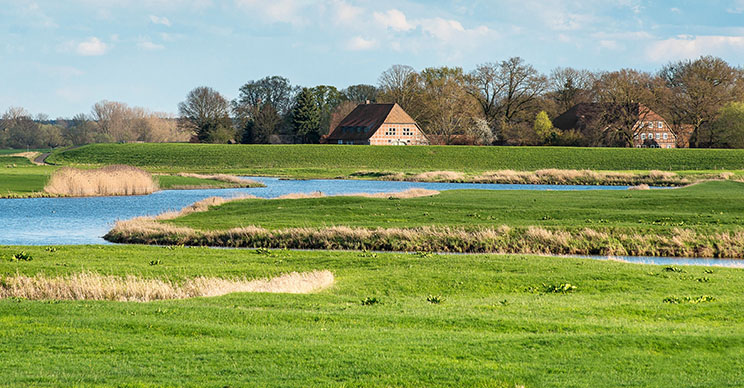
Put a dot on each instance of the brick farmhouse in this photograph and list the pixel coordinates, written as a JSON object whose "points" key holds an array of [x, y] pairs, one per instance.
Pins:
{"points": [[377, 124], [650, 130]]}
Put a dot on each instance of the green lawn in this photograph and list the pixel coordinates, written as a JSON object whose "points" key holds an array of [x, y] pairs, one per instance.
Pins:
{"points": [[497, 327], [705, 206], [333, 160]]}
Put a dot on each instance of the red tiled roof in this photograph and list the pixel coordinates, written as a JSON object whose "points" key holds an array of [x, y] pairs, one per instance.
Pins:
{"points": [[366, 119]]}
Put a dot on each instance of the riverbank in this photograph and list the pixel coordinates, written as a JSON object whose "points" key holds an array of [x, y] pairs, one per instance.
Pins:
{"points": [[696, 221], [485, 320]]}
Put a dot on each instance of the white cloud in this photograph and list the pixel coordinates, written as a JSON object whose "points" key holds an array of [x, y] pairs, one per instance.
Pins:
{"points": [[91, 47], [345, 13], [273, 11], [688, 47], [150, 46], [359, 44], [452, 31], [160, 20], [393, 19]]}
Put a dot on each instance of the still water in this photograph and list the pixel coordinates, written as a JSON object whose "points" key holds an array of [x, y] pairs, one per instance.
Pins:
{"points": [[47, 221]]}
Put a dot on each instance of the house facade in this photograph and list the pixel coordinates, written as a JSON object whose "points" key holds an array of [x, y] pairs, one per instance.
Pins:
{"points": [[650, 130], [377, 124]]}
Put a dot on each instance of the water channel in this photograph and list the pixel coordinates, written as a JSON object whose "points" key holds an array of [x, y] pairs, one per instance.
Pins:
{"points": [[72, 221]]}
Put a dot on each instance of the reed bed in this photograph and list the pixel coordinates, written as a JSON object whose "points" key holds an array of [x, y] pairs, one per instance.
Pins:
{"points": [[93, 286], [105, 181], [546, 177], [502, 239]]}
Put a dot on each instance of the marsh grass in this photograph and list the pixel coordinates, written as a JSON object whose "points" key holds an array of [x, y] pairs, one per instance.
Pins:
{"points": [[503, 239], [93, 286], [231, 180], [105, 181]]}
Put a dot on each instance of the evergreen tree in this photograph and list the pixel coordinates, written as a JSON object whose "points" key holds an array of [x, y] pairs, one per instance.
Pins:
{"points": [[306, 118]]}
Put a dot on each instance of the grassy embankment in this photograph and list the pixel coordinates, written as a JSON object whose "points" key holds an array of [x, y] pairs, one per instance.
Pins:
{"points": [[704, 220], [20, 178], [329, 161], [502, 321]]}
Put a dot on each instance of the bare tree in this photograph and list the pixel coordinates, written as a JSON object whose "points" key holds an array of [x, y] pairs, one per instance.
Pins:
{"points": [[569, 86], [400, 84], [506, 91], [206, 114], [450, 111], [696, 91], [624, 97]]}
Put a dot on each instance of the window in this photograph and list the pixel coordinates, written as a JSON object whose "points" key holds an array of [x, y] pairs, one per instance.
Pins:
{"points": [[643, 136], [407, 132], [651, 136], [650, 124], [661, 124], [658, 136], [666, 136], [669, 146], [340, 142], [390, 132]]}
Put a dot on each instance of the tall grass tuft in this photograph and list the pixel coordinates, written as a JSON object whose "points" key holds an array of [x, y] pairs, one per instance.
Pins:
{"points": [[110, 180], [93, 286]]}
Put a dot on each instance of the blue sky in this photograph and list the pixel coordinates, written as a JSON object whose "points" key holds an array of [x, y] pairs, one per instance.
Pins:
{"points": [[60, 57]]}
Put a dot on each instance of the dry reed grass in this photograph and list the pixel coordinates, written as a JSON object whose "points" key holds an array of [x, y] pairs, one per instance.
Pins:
{"points": [[110, 180], [31, 156], [236, 180], [502, 239], [92, 286], [640, 187]]}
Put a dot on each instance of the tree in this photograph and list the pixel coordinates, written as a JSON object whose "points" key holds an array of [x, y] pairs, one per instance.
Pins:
{"points": [[306, 118], [622, 95], [274, 90], [544, 127], [361, 93], [696, 91], [327, 98], [115, 120], [263, 125], [448, 111], [80, 130], [727, 127], [400, 84], [569, 86], [206, 114], [506, 91]]}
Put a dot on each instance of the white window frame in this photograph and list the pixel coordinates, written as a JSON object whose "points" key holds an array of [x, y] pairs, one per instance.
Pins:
{"points": [[643, 136], [666, 136], [661, 124]]}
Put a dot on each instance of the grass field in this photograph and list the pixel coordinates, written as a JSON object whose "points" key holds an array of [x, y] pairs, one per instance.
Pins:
{"points": [[499, 323], [705, 206], [334, 160]]}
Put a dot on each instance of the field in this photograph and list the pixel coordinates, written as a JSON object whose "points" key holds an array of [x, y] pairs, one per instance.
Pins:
{"points": [[704, 220], [334, 160], [490, 321]]}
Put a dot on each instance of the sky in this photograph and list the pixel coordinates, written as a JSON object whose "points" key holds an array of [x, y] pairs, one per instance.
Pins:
{"points": [[61, 57]]}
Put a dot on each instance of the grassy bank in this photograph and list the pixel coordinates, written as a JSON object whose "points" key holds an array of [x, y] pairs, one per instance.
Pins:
{"points": [[325, 159], [700, 220], [389, 320], [25, 180]]}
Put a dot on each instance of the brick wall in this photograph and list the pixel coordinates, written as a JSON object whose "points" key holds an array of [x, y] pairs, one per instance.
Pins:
{"points": [[381, 137]]}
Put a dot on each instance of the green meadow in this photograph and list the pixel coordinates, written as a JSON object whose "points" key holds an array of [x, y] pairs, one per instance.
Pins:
{"points": [[489, 321], [709, 206], [333, 160]]}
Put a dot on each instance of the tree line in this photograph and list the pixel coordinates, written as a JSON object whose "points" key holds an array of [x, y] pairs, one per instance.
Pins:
{"points": [[498, 103], [109, 121]]}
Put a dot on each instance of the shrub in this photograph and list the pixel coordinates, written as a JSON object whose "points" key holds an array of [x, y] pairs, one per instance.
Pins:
{"points": [[434, 299], [369, 301], [689, 299]]}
